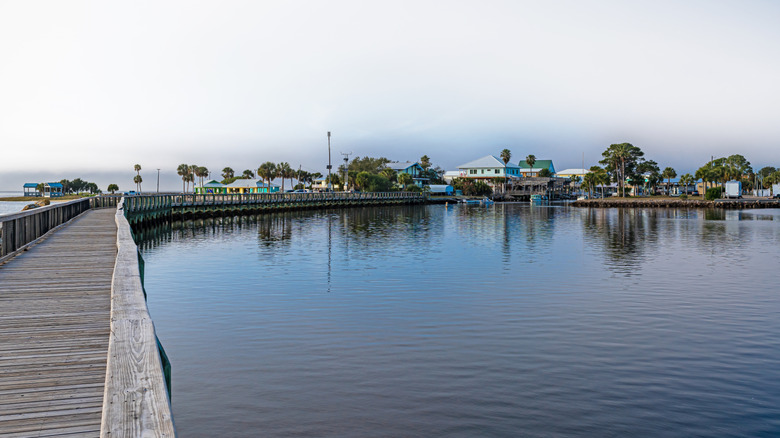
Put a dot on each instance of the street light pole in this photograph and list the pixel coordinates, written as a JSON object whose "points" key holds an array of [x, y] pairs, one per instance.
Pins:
{"points": [[158, 180], [329, 165]]}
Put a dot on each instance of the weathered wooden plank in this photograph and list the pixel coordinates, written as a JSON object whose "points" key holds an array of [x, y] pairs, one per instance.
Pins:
{"points": [[54, 320], [136, 401]]}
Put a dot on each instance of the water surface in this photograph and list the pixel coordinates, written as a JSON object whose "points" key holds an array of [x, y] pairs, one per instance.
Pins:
{"points": [[470, 321]]}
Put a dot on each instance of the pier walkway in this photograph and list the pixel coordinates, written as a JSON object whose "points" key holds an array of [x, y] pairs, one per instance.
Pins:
{"points": [[55, 303]]}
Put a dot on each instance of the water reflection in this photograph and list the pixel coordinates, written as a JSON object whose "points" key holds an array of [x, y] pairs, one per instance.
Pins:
{"points": [[464, 321]]}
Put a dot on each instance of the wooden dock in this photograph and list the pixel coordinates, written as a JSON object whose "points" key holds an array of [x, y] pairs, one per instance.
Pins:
{"points": [[55, 303]]}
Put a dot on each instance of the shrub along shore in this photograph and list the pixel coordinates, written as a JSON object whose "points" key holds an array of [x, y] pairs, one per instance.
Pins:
{"points": [[677, 203]]}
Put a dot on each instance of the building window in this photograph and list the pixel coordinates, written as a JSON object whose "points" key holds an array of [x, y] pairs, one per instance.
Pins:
{"points": [[482, 171], [472, 171]]}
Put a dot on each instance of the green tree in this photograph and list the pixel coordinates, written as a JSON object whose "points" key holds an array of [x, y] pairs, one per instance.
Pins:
{"points": [[201, 172], [334, 180], [228, 173], [39, 188], [531, 159], [404, 179], [505, 155], [623, 158], [112, 188], [590, 182], [425, 162], [669, 173], [600, 177], [66, 188], [138, 178], [737, 167], [545, 173], [686, 179], [390, 174], [183, 170], [766, 171], [361, 180], [368, 164], [267, 172], [283, 170], [248, 174]]}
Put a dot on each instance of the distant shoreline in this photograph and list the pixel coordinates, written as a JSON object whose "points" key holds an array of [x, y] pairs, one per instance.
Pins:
{"points": [[677, 203]]}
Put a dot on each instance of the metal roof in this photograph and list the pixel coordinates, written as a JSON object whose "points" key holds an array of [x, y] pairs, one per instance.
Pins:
{"points": [[538, 164], [488, 161], [30, 185], [571, 171], [398, 165], [55, 185]]}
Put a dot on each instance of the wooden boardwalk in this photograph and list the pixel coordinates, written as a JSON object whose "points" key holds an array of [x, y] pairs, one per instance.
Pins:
{"points": [[55, 302]]}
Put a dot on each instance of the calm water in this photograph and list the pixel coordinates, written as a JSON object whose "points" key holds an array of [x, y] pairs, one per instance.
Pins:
{"points": [[472, 322]]}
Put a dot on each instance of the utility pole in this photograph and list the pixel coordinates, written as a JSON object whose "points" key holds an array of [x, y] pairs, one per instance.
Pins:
{"points": [[329, 165], [346, 169], [158, 180]]}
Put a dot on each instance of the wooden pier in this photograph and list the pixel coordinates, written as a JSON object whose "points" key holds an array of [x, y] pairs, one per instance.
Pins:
{"points": [[79, 356], [78, 353], [55, 303]]}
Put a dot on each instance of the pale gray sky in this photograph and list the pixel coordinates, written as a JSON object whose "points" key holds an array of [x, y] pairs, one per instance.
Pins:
{"points": [[91, 88]]}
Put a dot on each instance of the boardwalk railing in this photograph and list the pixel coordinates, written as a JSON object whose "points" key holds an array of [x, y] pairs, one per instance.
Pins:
{"points": [[17, 230], [136, 401], [181, 202]]}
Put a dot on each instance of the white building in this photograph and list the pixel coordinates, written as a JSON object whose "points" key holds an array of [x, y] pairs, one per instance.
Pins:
{"points": [[489, 167]]}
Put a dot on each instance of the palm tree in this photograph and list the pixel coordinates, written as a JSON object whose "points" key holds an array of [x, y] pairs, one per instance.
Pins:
{"points": [[193, 170], [112, 188], [201, 172], [267, 172], [182, 171], [530, 160], [686, 180], [405, 179], [425, 162], [669, 173], [248, 174], [228, 173], [137, 168], [283, 170], [506, 155]]}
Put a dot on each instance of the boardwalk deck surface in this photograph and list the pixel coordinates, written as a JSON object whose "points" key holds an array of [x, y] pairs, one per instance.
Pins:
{"points": [[55, 304]]}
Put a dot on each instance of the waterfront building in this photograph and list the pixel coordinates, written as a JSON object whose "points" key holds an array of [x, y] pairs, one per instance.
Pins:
{"points": [[441, 190], [31, 189], [569, 173], [452, 174], [241, 186], [528, 171], [211, 187], [320, 185], [487, 168], [414, 169], [50, 189]]}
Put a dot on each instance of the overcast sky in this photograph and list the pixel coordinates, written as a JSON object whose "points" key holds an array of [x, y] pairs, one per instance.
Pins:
{"points": [[88, 89]]}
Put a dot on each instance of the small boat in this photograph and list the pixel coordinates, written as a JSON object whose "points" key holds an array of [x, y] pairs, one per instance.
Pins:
{"points": [[469, 201], [538, 198], [487, 201]]}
